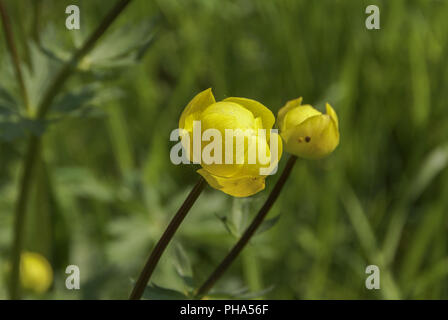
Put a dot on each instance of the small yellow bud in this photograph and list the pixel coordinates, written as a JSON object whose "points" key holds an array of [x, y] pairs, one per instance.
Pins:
{"points": [[36, 273], [306, 132], [237, 172]]}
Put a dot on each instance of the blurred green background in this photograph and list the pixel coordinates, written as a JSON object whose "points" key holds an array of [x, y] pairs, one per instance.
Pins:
{"points": [[105, 188]]}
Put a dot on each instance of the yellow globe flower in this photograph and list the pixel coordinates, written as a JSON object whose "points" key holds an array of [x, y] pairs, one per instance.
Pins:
{"points": [[307, 132], [36, 273], [237, 172]]}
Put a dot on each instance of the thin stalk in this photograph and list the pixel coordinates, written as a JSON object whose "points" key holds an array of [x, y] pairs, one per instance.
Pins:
{"points": [[34, 143], [13, 52], [20, 21], [37, 8], [20, 210], [163, 242], [250, 231]]}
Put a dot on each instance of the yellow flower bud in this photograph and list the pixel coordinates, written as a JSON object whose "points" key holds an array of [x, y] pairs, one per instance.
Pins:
{"points": [[237, 174], [36, 273], [306, 132]]}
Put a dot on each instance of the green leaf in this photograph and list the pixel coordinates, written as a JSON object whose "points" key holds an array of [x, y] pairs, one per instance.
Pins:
{"points": [[223, 219], [38, 76], [14, 129], [182, 261], [74, 100], [155, 292], [8, 105], [10, 131], [36, 127], [238, 216], [426, 279], [431, 167], [122, 47], [55, 45], [91, 95], [12, 124], [236, 222], [81, 182], [7, 102], [434, 163], [267, 224], [236, 219], [183, 267], [420, 242], [5, 111]]}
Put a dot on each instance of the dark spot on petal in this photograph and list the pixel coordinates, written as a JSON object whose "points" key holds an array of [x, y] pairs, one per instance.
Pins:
{"points": [[300, 140], [307, 139]]}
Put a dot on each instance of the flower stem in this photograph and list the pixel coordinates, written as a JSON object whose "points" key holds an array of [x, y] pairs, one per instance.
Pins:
{"points": [[13, 52], [20, 210], [34, 143], [163, 242], [250, 231]]}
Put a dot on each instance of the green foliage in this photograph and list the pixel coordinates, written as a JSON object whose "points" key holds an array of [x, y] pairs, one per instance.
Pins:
{"points": [[123, 47]]}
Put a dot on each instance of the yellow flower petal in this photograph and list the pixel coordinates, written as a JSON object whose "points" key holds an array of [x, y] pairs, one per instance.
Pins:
{"points": [[226, 115], [201, 101], [36, 273], [332, 114], [241, 186], [306, 131], [314, 138], [257, 109], [245, 117], [297, 115], [283, 111]]}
